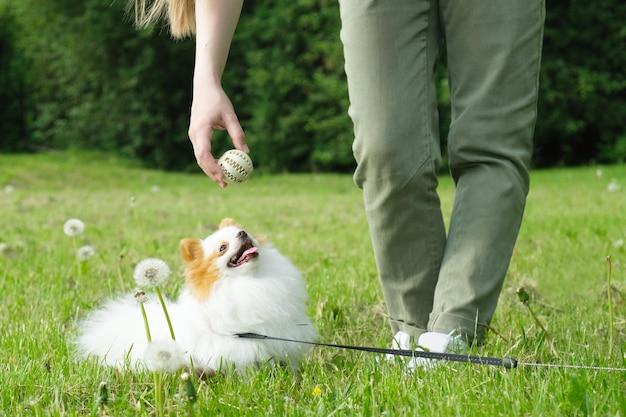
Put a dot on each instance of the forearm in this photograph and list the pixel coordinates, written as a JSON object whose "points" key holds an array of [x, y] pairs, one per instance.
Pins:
{"points": [[211, 108], [216, 21]]}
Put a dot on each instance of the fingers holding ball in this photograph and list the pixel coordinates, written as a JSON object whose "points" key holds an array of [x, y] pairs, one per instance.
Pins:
{"points": [[236, 165]]}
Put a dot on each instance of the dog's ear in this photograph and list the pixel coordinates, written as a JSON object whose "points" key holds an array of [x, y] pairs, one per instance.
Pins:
{"points": [[190, 249], [227, 222]]}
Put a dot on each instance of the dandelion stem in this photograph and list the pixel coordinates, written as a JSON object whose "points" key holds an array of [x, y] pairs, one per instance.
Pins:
{"points": [[167, 316], [610, 304], [119, 270], [545, 331], [158, 393], [145, 321], [524, 297], [190, 394], [78, 270], [73, 228]]}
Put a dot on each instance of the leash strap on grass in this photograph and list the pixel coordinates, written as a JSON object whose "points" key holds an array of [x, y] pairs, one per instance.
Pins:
{"points": [[507, 363], [565, 366]]}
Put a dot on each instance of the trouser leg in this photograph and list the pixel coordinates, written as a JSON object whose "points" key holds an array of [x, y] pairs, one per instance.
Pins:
{"points": [[390, 49], [494, 53]]}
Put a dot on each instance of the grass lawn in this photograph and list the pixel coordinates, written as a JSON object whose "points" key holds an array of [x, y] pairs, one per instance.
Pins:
{"points": [[575, 218]]}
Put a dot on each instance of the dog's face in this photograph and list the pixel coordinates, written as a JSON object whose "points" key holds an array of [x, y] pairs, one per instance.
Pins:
{"points": [[230, 251]]}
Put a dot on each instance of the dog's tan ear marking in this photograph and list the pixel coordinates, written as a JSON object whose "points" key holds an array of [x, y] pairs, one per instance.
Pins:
{"points": [[227, 222], [190, 249]]}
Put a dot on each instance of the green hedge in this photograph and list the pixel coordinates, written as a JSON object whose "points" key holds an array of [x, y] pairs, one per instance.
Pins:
{"points": [[76, 74], [582, 105], [13, 96], [96, 83], [285, 76]]}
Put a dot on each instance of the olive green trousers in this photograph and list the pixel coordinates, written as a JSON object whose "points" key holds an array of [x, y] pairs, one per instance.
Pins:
{"points": [[433, 279]]}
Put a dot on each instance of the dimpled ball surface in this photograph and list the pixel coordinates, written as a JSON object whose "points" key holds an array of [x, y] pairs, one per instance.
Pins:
{"points": [[236, 165]]}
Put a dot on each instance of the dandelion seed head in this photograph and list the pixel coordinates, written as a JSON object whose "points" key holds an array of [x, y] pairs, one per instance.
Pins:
{"points": [[613, 186], [73, 227], [155, 189], [151, 272], [618, 243], [141, 297], [4, 247], [9, 189], [164, 355], [85, 253]]}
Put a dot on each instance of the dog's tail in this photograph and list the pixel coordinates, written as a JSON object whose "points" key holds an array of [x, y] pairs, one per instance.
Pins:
{"points": [[116, 332]]}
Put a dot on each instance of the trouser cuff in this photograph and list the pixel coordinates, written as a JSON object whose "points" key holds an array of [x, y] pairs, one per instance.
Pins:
{"points": [[472, 330]]}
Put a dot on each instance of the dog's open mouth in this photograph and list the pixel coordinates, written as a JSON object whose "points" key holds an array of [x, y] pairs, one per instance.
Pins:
{"points": [[246, 253]]}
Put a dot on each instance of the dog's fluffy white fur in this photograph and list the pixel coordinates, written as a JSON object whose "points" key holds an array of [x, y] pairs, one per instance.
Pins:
{"points": [[234, 285]]}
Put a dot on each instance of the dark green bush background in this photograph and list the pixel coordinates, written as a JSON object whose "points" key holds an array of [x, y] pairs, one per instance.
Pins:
{"points": [[76, 74]]}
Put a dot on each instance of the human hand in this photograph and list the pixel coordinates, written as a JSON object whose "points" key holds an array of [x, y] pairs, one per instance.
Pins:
{"points": [[212, 109]]}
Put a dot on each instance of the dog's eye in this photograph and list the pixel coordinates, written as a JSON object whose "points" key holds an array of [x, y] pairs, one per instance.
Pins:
{"points": [[223, 248]]}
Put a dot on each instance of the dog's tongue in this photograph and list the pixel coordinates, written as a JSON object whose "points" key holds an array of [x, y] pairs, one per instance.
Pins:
{"points": [[246, 255]]}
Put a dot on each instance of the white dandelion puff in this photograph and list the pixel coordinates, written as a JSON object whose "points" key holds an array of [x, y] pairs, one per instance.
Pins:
{"points": [[85, 253], [4, 247], [618, 243], [151, 272], [9, 189], [599, 173], [164, 355], [613, 186], [155, 189], [73, 227]]}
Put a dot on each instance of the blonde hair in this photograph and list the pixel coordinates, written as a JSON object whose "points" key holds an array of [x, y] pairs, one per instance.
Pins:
{"points": [[180, 14]]}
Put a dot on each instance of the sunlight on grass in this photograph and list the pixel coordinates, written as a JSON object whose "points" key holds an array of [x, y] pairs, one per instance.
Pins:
{"points": [[575, 218]]}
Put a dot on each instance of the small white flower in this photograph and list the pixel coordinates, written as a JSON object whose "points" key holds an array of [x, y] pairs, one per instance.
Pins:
{"points": [[618, 243], [73, 227], [164, 355], [86, 252], [9, 189], [151, 272], [613, 186]]}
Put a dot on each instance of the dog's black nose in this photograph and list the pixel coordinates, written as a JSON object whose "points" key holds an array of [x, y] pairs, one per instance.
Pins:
{"points": [[242, 234]]}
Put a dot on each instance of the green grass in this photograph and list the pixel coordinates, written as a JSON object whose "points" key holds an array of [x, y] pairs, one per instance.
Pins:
{"points": [[572, 224]]}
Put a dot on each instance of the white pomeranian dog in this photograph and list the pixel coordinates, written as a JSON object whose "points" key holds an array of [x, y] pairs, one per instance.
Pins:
{"points": [[234, 285]]}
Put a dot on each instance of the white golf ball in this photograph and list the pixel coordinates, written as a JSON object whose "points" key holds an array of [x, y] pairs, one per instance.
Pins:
{"points": [[236, 165]]}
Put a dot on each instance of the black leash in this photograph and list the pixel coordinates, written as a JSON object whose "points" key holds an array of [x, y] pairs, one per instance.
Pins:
{"points": [[508, 363]]}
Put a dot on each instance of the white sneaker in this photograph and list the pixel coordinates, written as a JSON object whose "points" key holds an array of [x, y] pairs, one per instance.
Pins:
{"points": [[401, 341], [428, 342]]}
